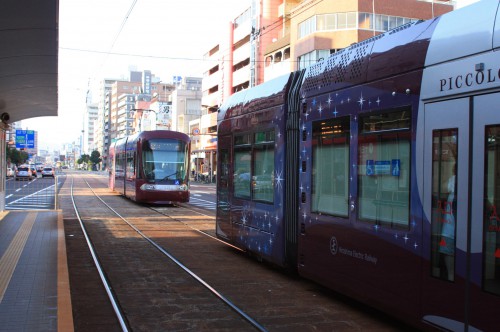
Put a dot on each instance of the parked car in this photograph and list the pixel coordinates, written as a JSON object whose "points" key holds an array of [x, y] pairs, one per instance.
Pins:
{"points": [[24, 172], [48, 171], [10, 172]]}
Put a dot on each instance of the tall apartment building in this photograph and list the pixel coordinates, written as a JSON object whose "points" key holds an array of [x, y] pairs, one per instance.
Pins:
{"points": [[89, 121], [102, 124], [275, 37], [272, 38], [186, 103], [121, 103], [312, 30]]}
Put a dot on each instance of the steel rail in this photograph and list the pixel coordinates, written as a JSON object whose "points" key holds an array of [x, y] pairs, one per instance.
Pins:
{"points": [[112, 299], [196, 229], [245, 316]]}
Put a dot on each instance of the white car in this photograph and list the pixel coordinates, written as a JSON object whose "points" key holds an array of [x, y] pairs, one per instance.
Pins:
{"points": [[10, 172], [24, 172], [47, 171]]}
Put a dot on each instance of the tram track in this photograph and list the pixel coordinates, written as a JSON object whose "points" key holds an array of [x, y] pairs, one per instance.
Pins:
{"points": [[156, 295], [114, 297]]}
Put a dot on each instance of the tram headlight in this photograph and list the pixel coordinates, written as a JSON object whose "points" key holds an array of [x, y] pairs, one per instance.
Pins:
{"points": [[183, 187], [148, 186]]}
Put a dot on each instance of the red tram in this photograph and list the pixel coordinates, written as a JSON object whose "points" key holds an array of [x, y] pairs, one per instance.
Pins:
{"points": [[151, 167], [375, 172]]}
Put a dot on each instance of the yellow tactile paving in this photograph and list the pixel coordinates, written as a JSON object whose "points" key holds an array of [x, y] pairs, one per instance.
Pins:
{"points": [[64, 309], [9, 260]]}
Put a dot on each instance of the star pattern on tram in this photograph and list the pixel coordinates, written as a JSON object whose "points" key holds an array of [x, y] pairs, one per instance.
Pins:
{"points": [[332, 101], [361, 101], [279, 179]]}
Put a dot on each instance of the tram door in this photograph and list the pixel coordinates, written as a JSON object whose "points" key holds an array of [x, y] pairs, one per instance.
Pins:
{"points": [[485, 214], [446, 208], [461, 288], [224, 183]]}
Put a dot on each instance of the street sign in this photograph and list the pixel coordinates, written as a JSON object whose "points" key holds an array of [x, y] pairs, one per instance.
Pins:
{"points": [[25, 139]]}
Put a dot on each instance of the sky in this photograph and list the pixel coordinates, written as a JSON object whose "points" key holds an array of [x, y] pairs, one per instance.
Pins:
{"points": [[103, 38]]}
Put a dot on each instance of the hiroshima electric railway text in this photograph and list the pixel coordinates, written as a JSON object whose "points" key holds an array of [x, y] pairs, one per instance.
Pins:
{"points": [[375, 171], [151, 167]]}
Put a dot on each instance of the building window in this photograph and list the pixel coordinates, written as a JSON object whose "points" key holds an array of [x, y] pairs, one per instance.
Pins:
{"points": [[350, 20], [310, 58], [269, 60], [277, 57], [286, 53]]}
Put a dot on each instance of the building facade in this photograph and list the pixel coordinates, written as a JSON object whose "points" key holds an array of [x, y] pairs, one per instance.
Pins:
{"points": [[272, 38], [126, 107], [311, 30], [89, 122]]}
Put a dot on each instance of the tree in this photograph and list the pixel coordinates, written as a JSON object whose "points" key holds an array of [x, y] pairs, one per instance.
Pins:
{"points": [[84, 159], [15, 156], [95, 158]]}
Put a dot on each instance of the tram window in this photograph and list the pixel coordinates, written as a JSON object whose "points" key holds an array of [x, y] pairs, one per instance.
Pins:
{"points": [[224, 168], [242, 139], [330, 167], [444, 203], [254, 166], [263, 169], [384, 168], [130, 165], [491, 229], [241, 178], [164, 160], [120, 161]]}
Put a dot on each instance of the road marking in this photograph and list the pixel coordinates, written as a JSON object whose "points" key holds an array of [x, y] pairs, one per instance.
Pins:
{"points": [[202, 203]]}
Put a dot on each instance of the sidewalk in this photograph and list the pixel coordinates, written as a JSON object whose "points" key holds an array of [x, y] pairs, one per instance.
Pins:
{"points": [[34, 283]]}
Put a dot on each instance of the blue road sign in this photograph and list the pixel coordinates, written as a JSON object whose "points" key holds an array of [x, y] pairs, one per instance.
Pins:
{"points": [[25, 139]]}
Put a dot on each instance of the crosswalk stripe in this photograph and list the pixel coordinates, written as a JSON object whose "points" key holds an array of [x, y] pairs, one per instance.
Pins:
{"points": [[202, 203]]}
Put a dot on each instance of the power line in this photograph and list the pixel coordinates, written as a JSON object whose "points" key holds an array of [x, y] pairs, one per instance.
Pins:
{"points": [[115, 38], [146, 56]]}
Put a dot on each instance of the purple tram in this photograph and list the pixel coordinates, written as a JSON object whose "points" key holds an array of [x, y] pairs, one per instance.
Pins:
{"points": [[151, 167], [375, 172]]}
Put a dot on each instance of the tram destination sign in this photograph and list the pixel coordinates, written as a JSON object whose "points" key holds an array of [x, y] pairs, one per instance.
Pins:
{"points": [[25, 139]]}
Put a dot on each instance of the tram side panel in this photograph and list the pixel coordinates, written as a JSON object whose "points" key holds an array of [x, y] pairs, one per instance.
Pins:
{"points": [[119, 167], [130, 162], [111, 168], [361, 231], [251, 168], [366, 229]]}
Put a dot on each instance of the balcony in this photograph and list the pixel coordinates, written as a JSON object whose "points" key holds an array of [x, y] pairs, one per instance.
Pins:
{"points": [[242, 30], [241, 76], [211, 81], [242, 53], [211, 99]]}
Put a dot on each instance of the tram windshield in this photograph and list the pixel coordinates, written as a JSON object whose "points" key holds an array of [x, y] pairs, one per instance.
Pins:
{"points": [[164, 160]]}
